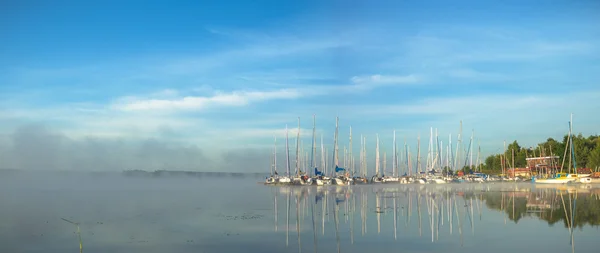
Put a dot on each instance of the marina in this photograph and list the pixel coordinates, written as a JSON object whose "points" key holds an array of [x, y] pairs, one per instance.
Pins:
{"points": [[300, 127], [439, 167]]}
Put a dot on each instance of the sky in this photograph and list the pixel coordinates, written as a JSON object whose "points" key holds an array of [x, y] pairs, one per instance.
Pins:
{"points": [[208, 85]]}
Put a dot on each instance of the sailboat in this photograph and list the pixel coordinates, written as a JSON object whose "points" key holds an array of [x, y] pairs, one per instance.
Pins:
{"points": [[272, 178], [563, 178], [376, 178], [362, 177], [344, 178], [286, 179], [394, 177], [318, 177], [300, 178]]}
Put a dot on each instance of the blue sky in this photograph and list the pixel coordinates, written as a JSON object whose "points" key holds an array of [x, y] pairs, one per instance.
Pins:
{"points": [[225, 75]]}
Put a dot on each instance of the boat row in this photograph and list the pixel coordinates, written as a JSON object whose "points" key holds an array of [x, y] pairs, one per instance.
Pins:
{"points": [[438, 165]]}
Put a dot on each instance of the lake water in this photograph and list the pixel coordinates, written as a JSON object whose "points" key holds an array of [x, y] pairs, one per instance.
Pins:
{"points": [[123, 214]]}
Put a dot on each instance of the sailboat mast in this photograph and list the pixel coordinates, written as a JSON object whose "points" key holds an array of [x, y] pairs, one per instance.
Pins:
{"points": [[404, 158], [298, 149], [450, 155], [365, 156], [274, 156], [287, 148], [408, 161], [441, 156], [437, 151], [504, 160], [458, 148], [394, 171], [448, 159], [336, 142], [351, 168], [438, 154], [324, 168], [313, 153], [334, 151], [345, 157], [419, 153], [513, 163], [361, 156], [300, 153], [479, 155], [572, 148], [429, 164], [398, 159], [471, 151], [377, 156]]}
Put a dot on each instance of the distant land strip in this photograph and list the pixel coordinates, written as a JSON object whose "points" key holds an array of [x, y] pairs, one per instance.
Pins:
{"points": [[177, 173], [144, 173]]}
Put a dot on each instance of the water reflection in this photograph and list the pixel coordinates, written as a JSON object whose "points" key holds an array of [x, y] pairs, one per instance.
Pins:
{"points": [[117, 214], [456, 216]]}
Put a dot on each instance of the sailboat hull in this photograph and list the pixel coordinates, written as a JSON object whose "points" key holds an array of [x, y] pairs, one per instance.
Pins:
{"points": [[270, 180], [554, 181], [318, 182], [338, 181], [284, 180], [391, 180], [439, 181]]}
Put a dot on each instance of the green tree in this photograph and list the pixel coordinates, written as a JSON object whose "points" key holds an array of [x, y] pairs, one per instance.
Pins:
{"points": [[586, 150], [594, 159]]}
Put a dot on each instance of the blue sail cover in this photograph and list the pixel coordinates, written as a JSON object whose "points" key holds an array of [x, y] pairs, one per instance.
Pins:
{"points": [[318, 173], [338, 169]]}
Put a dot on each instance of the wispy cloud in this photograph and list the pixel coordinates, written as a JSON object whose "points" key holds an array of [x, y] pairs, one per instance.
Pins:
{"points": [[239, 98], [235, 98], [373, 81]]}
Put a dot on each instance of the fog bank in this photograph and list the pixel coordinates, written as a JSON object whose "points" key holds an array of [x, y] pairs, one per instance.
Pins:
{"points": [[38, 147]]}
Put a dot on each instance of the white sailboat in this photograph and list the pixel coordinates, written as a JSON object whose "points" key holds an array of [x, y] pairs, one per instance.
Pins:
{"points": [[272, 179], [376, 178], [344, 178], [317, 178], [286, 179], [394, 177], [300, 178]]}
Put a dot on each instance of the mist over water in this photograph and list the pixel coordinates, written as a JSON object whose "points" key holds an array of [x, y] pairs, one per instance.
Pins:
{"points": [[210, 214], [38, 147]]}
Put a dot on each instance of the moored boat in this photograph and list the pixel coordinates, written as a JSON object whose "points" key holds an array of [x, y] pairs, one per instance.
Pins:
{"points": [[559, 178]]}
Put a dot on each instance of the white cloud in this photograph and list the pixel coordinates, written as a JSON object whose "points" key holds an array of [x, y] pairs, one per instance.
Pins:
{"points": [[384, 79], [166, 100], [235, 98]]}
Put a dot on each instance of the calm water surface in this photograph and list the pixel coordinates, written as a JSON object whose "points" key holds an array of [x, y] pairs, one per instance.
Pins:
{"points": [[120, 214]]}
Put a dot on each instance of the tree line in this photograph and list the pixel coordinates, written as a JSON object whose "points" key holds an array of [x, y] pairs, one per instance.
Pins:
{"points": [[587, 154]]}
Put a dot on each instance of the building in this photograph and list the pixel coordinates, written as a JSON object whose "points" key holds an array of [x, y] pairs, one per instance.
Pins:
{"points": [[543, 165], [519, 172]]}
